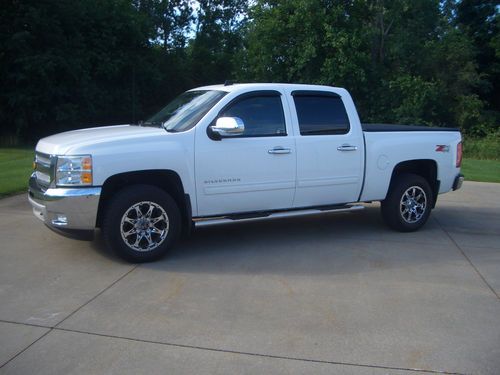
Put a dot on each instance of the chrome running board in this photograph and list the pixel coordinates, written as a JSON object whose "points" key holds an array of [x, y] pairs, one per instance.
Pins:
{"points": [[205, 221]]}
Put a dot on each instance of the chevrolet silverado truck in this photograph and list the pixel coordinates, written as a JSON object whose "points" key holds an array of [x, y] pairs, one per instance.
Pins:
{"points": [[238, 152]]}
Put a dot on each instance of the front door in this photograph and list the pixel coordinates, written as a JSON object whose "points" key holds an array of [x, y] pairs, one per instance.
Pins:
{"points": [[253, 171]]}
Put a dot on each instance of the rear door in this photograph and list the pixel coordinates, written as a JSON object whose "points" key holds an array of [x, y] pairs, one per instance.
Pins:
{"points": [[330, 149], [254, 171]]}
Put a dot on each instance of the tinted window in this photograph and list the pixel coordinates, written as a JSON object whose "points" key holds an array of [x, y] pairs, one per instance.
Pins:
{"points": [[320, 115], [262, 115]]}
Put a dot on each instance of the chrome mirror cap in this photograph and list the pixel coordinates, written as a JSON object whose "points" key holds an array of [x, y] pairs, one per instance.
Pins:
{"points": [[229, 126]]}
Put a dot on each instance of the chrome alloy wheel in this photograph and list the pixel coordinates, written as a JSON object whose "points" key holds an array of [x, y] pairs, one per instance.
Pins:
{"points": [[413, 204], [144, 226]]}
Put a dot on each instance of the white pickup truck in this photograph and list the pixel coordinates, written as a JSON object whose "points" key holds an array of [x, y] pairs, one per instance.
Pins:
{"points": [[236, 152]]}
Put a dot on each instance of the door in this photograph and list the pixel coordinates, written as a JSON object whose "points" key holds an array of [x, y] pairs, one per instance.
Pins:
{"points": [[252, 171], [329, 150]]}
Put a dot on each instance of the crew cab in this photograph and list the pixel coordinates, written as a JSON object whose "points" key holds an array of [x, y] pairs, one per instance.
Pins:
{"points": [[237, 152]]}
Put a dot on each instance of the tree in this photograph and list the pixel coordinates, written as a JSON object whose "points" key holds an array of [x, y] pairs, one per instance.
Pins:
{"points": [[216, 41], [67, 64], [403, 61], [479, 19]]}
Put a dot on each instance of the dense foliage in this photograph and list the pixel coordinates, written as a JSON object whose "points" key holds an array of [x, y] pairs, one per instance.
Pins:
{"points": [[73, 63]]}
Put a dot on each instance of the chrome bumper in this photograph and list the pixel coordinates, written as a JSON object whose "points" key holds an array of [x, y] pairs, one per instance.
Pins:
{"points": [[65, 208]]}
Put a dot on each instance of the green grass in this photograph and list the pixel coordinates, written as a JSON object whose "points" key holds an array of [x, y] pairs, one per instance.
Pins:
{"points": [[15, 168], [482, 158], [481, 170], [486, 148]]}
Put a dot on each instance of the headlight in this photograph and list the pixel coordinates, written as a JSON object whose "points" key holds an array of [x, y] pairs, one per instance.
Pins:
{"points": [[74, 170]]}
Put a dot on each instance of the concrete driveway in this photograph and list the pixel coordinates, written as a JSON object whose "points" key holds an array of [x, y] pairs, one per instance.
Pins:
{"points": [[318, 295]]}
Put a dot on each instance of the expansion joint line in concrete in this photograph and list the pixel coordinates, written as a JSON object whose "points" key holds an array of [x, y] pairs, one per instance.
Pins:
{"points": [[218, 350], [468, 259], [23, 350], [51, 328], [98, 295]]}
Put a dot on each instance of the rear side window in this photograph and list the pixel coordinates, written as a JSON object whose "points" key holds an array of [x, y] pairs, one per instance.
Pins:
{"points": [[262, 115], [321, 114]]}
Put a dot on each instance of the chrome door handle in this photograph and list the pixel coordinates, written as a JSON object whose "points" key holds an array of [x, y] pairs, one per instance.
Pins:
{"points": [[346, 147], [279, 150]]}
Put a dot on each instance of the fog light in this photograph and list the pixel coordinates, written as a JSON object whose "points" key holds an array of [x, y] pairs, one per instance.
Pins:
{"points": [[60, 220]]}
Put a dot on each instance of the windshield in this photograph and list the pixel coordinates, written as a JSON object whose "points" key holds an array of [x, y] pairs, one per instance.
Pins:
{"points": [[186, 110]]}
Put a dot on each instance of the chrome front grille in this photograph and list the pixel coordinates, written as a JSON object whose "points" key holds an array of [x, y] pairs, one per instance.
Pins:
{"points": [[44, 169]]}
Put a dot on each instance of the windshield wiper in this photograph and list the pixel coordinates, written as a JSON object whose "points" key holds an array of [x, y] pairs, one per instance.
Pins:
{"points": [[156, 124]]}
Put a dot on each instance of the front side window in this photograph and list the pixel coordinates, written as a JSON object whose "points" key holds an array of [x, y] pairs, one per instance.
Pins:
{"points": [[321, 115], [262, 115], [186, 110]]}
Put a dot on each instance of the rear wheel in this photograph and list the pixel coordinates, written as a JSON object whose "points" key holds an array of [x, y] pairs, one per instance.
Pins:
{"points": [[141, 223], [408, 203]]}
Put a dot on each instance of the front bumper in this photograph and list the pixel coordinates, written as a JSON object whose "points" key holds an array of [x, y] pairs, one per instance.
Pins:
{"points": [[459, 180], [65, 209]]}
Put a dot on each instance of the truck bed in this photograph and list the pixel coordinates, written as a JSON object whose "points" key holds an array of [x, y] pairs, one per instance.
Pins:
{"points": [[404, 128]]}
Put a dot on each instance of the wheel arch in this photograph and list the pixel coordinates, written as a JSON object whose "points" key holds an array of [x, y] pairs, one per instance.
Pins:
{"points": [[167, 180], [426, 168]]}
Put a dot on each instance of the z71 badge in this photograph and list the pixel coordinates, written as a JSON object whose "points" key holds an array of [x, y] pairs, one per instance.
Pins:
{"points": [[442, 148]]}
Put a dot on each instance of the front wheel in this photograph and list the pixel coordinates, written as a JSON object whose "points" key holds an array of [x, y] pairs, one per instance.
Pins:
{"points": [[408, 203], [141, 223]]}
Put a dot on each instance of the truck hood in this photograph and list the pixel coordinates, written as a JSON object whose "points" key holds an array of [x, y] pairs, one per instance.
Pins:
{"points": [[76, 140]]}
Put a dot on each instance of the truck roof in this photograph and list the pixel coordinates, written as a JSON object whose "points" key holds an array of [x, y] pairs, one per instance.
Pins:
{"points": [[265, 86]]}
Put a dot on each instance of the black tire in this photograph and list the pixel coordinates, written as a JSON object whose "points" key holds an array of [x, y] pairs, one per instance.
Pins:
{"points": [[121, 216], [407, 213]]}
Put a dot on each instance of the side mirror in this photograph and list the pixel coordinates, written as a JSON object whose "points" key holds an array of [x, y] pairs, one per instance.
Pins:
{"points": [[227, 127]]}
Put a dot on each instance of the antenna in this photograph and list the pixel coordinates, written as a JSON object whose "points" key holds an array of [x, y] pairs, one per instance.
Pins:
{"points": [[228, 83]]}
